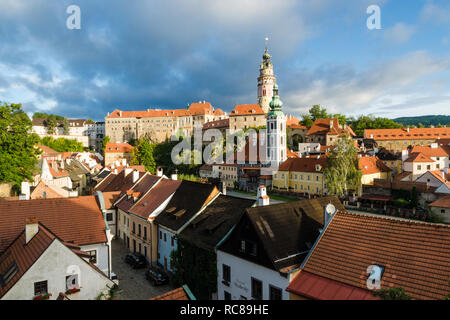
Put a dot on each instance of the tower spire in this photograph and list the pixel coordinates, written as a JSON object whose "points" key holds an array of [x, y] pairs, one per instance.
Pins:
{"points": [[266, 42]]}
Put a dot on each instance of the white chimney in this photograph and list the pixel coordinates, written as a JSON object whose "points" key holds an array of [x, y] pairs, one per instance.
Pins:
{"points": [[25, 187], [159, 172], [124, 162], [31, 228], [224, 188], [443, 175], [331, 123], [174, 176], [115, 171], [407, 129], [263, 198], [434, 146], [404, 154], [135, 175]]}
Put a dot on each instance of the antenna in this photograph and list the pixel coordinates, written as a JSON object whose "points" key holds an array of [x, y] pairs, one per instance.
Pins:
{"points": [[266, 42]]}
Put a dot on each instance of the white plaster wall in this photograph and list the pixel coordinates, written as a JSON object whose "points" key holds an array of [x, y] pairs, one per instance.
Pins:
{"points": [[241, 273], [52, 266], [102, 255]]}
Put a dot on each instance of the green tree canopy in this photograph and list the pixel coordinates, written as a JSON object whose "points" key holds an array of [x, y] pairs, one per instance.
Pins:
{"points": [[392, 294], [143, 155], [370, 122], [51, 124], [66, 126], [63, 144], [342, 173], [18, 155], [43, 115]]}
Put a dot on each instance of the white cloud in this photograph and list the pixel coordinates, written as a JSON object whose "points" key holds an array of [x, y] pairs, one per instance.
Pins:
{"points": [[400, 33]]}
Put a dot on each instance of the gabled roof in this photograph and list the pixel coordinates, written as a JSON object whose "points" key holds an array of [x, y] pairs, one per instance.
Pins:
{"points": [[149, 202], [197, 108], [223, 123], [429, 151], [211, 226], [123, 147], [110, 198], [139, 189], [404, 134], [370, 165], [437, 174], [444, 188], [187, 201], [288, 230], [443, 202], [246, 110], [323, 126], [415, 255], [418, 157], [402, 175], [117, 182], [44, 191], [71, 219], [304, 164]]}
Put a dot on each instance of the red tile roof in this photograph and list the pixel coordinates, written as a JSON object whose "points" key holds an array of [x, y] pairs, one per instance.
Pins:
{"points": [[246, 109], [47, 150], [39, 190], [201, 108], [110, 198], [177, 294], [303, 164], [370, 165], [143, 185], [112, 147], [418, 157], [224, 123], [153, 199], [117, 182], [312, 286], [415, 255], [322, 126], [403, 134], [430, 152], [443, 202], [71, 219]]}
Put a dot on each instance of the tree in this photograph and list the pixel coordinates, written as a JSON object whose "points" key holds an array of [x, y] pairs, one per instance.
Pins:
{"points": [[317, 112], [66, 126], [105, 141], [393, 294], [51, 124], [63, 144], [307, 121], [342, 172], [143, 155], [18, 155], [370, 122]]}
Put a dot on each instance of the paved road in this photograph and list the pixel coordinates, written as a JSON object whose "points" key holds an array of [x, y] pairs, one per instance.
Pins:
{"points": [[132, 283]]}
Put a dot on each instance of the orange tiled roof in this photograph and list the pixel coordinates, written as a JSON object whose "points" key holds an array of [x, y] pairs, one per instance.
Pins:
{"points": [[38, 192], [369, 165], [415, 255], [430, 152], [418, 157], [403, 134], [246, 109], [443, 202], [177, 294], [71, 219], [118, 147], [149, 113], [197, 108], [47, 150], [322, 126], [438, 175], [224, 123], [219, 112], [303, 164]]}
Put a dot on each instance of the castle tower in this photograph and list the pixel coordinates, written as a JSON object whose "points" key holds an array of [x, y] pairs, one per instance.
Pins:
{"points": [[266, 80], [276, 131]]}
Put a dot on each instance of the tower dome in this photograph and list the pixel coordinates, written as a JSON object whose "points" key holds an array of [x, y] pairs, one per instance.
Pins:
{"points": [[276, 104]]}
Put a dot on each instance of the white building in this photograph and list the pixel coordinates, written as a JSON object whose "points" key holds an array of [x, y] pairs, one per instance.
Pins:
{"points": [[276, 131]]}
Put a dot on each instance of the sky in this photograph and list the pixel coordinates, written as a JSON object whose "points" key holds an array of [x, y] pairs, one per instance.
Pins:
{"points": [[139, 54]]}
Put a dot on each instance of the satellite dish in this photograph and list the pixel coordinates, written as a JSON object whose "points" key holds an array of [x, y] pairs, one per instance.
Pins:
{"points": [[330, 209]]}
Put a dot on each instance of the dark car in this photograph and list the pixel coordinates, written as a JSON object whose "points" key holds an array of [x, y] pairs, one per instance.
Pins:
{"points": [[156, 276], [136, 260]]}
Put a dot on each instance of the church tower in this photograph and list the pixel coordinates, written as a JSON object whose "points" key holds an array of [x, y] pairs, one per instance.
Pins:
{"points": [[276, 131], [266, 80]]}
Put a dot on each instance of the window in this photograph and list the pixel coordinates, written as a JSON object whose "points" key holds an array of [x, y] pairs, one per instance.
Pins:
{"points": [[109, 216], [419, 167], [160, 235], [226, 274], [428, 167], [139, 229], [145, 233], [134, 227], [172, 240], [226, 295], [71, 281], [256, 289], [252, 248], [242, 248], [274, 293], [92, 256], [165, 238], [442, 210], [40, 287]]}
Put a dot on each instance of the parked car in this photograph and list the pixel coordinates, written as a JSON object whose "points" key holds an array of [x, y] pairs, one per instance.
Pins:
{"points": [[136, 260], [156, 276]]}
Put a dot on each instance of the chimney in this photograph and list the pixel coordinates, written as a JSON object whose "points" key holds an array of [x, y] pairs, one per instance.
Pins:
{"points": [[174, 176], [407, 129], [159, 172], [263, 198], [127, 171], [120, 113], [328, 211], [25, 187], [31, 228], [224, 188], [443, 175], [404, 155], [434, 146], [331, 123], [115, 171], [135, 175], [124, 162]]}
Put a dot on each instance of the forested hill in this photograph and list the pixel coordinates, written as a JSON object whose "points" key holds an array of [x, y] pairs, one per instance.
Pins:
{"points": [[434, 120]]}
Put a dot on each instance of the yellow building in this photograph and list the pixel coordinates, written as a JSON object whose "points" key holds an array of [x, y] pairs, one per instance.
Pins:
{"points": [[398, 139], [303, 175], [117, 151]]}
